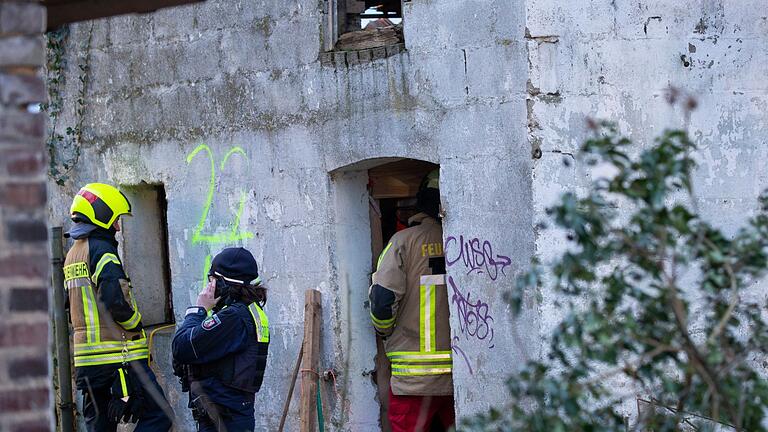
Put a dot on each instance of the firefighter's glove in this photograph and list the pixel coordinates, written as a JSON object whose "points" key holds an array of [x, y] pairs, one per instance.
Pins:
{"points": [[127, 402]]}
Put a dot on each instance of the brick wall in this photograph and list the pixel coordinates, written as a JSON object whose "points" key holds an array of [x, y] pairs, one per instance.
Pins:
{"points": [[25, 396]]}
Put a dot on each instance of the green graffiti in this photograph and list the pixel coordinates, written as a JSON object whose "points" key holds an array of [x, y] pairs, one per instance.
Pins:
{"points": [[206, 269], [234, 234]]}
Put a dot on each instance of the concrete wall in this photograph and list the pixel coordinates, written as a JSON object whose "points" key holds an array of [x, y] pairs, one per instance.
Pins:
{"points": [[233, 98]]}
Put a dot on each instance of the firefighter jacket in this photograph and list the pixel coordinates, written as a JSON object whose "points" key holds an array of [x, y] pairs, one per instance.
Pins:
{"points": [[227, 353], [105, 319], [409, 308]]}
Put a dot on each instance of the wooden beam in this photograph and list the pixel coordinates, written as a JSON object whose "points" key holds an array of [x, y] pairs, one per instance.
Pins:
{"points": [[69, 11], [309, 365]]}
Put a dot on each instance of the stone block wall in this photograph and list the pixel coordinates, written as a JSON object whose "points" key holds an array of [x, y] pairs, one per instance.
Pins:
{"points": [[25, 395], [240, 97]]}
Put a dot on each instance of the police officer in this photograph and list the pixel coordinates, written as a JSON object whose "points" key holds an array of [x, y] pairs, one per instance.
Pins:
{"points": [[409, 309], [110, 345], [220, 351]]}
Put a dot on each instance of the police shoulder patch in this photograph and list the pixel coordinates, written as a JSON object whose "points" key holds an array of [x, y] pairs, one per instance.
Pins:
{"points": [[211, 322]]}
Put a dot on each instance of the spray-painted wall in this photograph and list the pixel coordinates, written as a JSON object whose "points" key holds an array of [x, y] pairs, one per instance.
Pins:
{"points": [[258, 140]]}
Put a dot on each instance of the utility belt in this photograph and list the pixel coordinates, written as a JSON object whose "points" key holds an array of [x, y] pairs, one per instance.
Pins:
{"points": [[205, 410]]}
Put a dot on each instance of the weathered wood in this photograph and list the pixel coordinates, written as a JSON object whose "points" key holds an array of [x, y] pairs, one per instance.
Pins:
{"points": [[290, 388], [310, 361], [370, 38]]}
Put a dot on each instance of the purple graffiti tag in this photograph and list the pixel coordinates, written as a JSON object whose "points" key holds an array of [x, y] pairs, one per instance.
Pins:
{"points": [[476, 255], [475, 319], [457, 350]]}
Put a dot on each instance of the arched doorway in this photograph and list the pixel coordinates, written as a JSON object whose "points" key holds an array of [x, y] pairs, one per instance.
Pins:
{"points": [[373, 199]]}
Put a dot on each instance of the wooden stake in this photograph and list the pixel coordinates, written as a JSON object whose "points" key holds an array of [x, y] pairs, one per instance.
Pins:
{"points": [[291, 387], [309, 369]]}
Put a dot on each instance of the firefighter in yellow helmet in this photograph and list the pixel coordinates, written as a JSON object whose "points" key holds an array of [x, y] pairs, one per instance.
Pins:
{"points": [[409, 309], [110, 345]]}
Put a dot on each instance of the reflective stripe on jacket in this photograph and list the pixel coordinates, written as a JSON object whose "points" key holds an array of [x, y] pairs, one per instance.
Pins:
{"points": [[409, 307], [99, 339], [227, 352]]}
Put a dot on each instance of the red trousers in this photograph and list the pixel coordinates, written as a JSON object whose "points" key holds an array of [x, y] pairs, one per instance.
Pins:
{"points": [[420, 413]]}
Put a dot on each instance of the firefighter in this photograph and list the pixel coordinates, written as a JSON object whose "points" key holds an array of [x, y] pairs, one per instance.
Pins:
{"points": [[220, 350], [110, 345], [409, 310]]}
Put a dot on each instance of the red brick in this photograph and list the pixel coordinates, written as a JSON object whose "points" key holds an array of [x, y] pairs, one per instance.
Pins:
{"points": [[26, 231], [23, 195], [28, 300], [30, 266], [27, 50], [24, 335], [22, 126], [23, 161], [20, 90], [31, 426], [23, 400], [22, 17], [30, 367]]}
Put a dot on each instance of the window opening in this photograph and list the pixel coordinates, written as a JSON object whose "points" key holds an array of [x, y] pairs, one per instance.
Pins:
{"points": [[144, 252], [366, 24], [392, 189]]}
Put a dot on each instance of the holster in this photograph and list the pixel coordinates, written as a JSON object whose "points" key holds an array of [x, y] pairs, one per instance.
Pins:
{"points": [[204, 409]]}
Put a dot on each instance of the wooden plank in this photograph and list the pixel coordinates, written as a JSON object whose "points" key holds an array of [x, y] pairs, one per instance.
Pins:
{"points": [[64, 12], [309, 364]]}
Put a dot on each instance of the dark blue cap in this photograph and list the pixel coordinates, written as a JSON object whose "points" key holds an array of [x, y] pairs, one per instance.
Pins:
{"points": [[236, 265]]}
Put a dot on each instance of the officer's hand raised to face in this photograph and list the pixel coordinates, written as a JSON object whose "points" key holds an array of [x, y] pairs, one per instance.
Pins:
{"points": [[206, 297]]}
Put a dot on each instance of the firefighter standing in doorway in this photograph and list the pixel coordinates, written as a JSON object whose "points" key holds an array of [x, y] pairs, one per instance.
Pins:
{"points": [[110, 346], [220, 351], [409, 309]]}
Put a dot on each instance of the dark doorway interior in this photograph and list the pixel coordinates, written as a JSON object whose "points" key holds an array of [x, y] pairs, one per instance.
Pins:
{"points": [[392, 188]]}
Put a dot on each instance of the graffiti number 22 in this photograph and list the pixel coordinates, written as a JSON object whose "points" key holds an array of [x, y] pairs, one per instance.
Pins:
{"points": [[233, 234]]}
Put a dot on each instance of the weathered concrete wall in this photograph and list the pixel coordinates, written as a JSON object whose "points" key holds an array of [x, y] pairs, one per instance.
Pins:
{"points": [[616, 60], [483, 85], [245, 80]]}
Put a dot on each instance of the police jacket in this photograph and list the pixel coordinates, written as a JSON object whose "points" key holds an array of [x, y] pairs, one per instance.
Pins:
{"points": [[226, 351], [409, 309], [103, 312]]}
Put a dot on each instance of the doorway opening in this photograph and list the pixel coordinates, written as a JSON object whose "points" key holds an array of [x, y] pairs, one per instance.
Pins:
{"points": [[373, 200], [144, 252], [392, 189]]}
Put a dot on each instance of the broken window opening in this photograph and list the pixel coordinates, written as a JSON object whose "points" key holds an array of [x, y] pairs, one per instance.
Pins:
{"points": [[356, 25], [144, 252]]}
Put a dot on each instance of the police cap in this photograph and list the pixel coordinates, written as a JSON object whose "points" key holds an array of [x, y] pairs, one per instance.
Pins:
{"points": [[235, 265]]}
